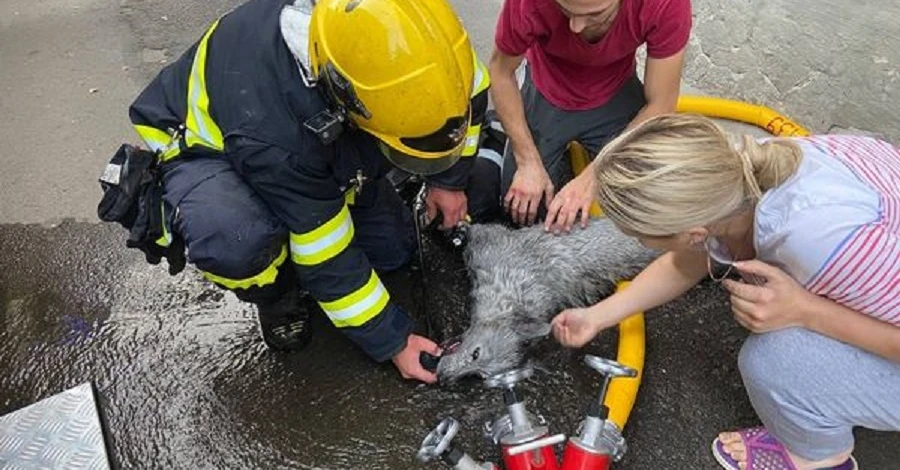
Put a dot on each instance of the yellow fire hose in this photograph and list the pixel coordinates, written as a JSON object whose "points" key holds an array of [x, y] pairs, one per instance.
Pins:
{"points": [[760, 116], [622, 392]]}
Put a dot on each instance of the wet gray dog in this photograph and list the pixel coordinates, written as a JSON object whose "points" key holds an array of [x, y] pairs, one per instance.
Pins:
{"points": [[522, 278]]}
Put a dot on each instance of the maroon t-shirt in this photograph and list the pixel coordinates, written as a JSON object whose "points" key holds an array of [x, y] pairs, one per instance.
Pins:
{"points": [[574, 74]]}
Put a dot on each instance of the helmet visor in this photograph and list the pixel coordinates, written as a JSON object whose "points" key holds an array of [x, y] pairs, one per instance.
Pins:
{"points": [[446, 139], [421, 165]]}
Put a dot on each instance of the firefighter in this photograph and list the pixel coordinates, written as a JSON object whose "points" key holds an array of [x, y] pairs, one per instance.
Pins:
{"points": [[275, 132]]}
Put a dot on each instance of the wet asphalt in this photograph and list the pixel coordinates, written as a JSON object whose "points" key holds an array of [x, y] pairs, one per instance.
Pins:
{"points": [[185, 382]]}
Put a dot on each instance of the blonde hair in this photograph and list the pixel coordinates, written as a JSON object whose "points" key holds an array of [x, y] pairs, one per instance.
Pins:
{"points": [[679, 171]]}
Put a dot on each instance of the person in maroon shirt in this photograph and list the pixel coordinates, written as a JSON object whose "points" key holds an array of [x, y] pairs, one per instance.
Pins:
{"points": [[580, 84]]}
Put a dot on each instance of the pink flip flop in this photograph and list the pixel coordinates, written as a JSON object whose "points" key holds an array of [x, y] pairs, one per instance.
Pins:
{"points": [[764, 451]]}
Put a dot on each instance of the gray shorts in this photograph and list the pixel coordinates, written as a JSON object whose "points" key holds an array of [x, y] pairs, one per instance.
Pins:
{"points": [[552, 129]]}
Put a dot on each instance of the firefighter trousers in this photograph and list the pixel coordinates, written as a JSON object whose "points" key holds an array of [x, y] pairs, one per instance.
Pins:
{"points": [[230, 233]]}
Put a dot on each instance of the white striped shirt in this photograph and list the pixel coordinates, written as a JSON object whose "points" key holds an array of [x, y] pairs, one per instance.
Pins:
{"points": [[834, 225]]}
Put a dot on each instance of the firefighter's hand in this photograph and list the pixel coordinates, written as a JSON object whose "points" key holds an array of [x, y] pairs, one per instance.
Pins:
{"points": [[407, 360], [530, 182], [575, 196], [452, 204], [575, 327]]}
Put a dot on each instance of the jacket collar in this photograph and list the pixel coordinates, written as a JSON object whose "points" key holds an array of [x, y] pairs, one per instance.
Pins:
{"points": [[294, 22]]}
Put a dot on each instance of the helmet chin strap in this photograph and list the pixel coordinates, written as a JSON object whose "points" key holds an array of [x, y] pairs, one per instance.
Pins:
{"points": [[335, 107], [341, 92]]}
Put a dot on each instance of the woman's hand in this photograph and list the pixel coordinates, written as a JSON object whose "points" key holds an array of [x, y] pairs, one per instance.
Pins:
{"points": [[774, 301], [575, 327]]}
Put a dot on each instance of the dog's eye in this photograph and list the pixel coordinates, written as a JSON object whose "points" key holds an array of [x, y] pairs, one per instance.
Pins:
{"points": [[476, 353]]}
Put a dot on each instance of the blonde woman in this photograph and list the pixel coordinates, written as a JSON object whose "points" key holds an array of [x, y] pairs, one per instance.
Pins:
{"points": [[811, 226]]}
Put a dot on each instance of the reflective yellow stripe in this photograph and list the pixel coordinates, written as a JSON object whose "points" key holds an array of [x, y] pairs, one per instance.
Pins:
{"points": [[482, 78], [166, 238], [266, 277], [325, 242], [350, 196], [472, 136], [200, 127], [158, 141], [480, 83], [360, 306]]}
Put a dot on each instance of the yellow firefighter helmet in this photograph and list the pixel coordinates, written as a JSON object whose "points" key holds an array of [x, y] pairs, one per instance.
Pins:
{"points": [[402, 70]]}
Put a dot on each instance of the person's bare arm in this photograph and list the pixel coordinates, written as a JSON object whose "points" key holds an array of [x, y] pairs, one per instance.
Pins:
{"points": [[662, 84], [510, 109], [531, 181], [664, 280], [836, 321]]}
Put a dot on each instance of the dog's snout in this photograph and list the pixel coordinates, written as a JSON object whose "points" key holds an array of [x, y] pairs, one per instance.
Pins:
{"points": [[449, 346]]}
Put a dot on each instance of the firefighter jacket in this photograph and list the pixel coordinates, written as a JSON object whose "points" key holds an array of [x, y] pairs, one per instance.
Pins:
{"points": [[241, 93]]}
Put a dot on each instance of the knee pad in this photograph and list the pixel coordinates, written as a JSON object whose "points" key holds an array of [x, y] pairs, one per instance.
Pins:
{"points": [[285, 282], [248, 270], [238, 260]]}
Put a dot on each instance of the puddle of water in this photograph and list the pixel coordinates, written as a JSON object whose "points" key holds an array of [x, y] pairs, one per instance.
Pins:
{"points": [[185, 382]]}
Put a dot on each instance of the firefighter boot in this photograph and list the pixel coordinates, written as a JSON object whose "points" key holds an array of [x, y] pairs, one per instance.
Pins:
{"points": [[285, 323]]}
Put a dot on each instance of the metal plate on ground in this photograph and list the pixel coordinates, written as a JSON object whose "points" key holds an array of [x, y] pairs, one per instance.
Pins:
{"points": [[62, 431]]}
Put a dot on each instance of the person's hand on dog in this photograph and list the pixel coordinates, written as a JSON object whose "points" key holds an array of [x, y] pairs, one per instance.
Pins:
{"points": [[571, 204]]}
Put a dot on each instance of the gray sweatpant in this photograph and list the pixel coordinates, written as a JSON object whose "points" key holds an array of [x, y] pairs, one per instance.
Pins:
{"points": [[810, 390], [552, 129]]}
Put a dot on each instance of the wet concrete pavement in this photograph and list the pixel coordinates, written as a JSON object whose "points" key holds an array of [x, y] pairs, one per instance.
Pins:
{"points": [[185, 382]]}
